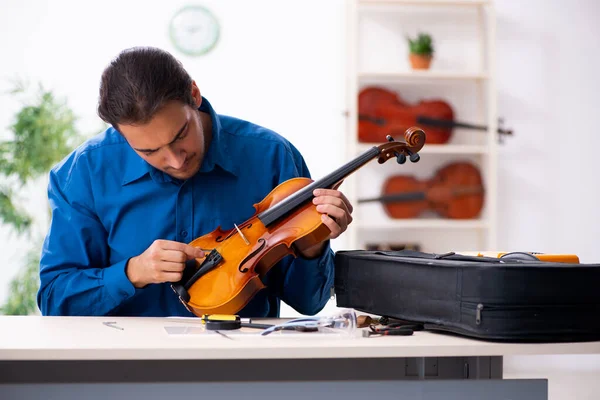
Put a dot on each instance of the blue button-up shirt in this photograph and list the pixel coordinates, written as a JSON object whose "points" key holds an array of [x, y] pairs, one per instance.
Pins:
{"points": [[108, 205]]}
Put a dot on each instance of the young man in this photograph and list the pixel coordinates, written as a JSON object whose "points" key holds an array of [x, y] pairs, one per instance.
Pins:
{"points": [[170, 169]]}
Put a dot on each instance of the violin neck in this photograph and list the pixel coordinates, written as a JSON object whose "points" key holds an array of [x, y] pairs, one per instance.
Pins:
{"points": [[418, 196], [396, 197], [304, 195], [444, 123]]}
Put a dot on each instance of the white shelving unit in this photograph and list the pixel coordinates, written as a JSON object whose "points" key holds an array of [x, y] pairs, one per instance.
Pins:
{"points": [[462, 73]]}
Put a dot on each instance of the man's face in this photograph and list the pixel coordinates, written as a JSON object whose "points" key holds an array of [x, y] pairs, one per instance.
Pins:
{"points": [[173, 141]]}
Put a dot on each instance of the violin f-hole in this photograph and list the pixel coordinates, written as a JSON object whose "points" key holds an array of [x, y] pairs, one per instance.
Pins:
{"points": [[263, 243]]}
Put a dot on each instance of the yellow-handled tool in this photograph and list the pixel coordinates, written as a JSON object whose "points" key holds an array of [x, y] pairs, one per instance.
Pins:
{"points": [[524, 255]]}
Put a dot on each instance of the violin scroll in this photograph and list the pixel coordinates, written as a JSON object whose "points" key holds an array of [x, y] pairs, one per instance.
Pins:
{"points": [[415, 140]]}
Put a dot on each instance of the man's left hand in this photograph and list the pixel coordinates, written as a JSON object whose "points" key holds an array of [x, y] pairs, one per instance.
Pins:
{"points": [[336, 214]]}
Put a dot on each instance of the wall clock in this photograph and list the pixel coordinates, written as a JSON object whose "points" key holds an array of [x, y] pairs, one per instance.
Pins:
{"points": [[194, 30]]}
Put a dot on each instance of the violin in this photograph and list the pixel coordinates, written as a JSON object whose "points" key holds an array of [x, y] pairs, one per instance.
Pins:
{"points": [[285, 222], [382, 112], [456, 191]]}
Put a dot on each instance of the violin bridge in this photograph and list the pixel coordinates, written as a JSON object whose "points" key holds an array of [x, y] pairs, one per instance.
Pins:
{"points": [[242, 235]]}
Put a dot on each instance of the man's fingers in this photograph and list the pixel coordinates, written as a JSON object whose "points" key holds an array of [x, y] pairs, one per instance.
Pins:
{"points": [[337, 215], [171, 276], [168, 266], [174, 256], [332, 210], [331, 201], [190, 251], [347, 203], [333, 197], [332, 225]]}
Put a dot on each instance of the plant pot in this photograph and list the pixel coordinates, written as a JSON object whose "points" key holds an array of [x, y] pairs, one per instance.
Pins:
{"points": [[419, 61]]}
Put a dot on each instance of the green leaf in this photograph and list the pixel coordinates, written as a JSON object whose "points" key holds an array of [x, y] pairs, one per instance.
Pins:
{"points": [[41, 138], [422, 44], [43, 133], [24, 287], [11, 215]]}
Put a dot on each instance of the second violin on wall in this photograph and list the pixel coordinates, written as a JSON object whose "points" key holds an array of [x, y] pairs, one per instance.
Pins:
{"points": [[455, 191]]}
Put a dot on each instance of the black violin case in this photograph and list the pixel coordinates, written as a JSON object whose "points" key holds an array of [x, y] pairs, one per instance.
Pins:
{"points": [[480, 297]]}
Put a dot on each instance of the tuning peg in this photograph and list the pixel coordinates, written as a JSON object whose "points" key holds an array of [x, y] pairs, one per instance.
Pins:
{"points": [[415, 157], [389, 138], [400, 158]]}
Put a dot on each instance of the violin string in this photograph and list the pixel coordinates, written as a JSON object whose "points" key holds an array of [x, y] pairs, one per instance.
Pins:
{"points": [[242, 235]]}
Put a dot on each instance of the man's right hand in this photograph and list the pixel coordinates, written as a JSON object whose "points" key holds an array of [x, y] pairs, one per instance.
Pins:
{"points": [[163, 261]]}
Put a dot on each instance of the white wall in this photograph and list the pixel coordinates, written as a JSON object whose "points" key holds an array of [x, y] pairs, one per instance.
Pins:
{"points": [[547, 63], [281, 64]]}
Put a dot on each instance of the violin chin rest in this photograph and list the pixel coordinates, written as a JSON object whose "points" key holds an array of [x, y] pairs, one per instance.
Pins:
{"points": [[181, 292]]}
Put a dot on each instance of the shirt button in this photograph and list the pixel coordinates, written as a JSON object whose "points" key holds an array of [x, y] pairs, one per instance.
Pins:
{"points": [[183, 233]]}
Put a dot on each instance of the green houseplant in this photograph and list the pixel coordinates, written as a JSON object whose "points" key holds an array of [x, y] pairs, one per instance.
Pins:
{"points": [[42, 133], [420, 51]]}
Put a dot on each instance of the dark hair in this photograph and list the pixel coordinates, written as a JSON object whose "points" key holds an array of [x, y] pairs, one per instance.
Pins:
{"points": [[138, 82]]}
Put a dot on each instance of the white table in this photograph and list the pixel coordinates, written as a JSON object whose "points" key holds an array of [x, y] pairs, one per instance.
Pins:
{"points": [[64, 357]]}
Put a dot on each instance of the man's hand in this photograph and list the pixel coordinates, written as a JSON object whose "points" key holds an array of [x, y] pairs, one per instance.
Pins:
{"points": [[163, 261], [336, 215]]}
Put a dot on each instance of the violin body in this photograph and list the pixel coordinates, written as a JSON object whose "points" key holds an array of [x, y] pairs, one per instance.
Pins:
{"points": [[285, 222], [455, 192], [383, 112], [228, 288]]}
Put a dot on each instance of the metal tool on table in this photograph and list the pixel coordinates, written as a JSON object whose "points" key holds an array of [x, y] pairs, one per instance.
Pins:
{"points": [[112, 324], [218, 322], [384, 326]]}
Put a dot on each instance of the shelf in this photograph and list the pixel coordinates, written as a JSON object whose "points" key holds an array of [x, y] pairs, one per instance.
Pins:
{"points": [[423, 75], [426, 2], [432, 223], [436, 148], [464, 77]]}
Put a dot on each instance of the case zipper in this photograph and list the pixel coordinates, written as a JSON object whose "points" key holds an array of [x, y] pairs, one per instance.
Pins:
{"points": [[479, 307]]}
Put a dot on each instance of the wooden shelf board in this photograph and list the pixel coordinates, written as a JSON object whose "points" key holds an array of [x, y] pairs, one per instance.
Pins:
{"points": [[424, 223], [426, 2], [423, 75]]}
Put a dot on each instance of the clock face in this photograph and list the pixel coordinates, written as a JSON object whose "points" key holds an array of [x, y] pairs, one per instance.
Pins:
{"points": [[194, 30]]}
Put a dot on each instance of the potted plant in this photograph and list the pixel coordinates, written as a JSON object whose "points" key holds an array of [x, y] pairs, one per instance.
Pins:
{"points": [[420, 51]]}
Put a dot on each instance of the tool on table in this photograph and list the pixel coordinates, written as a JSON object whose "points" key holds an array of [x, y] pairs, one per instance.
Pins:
{"points": [[343, 321], [111, 324], [310, 324], [362, 321], [527, 255], [221, 322], [216, 322], [393, 329]]}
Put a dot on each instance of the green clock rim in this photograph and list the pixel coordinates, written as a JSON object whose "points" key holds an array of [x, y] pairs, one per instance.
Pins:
{"points": [[205, 49]]}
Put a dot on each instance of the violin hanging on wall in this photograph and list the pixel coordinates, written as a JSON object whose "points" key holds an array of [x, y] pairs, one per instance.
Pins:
{"points": [[382, 112], [456, 192]]}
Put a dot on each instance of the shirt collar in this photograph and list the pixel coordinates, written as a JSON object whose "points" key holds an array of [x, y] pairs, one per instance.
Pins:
{"points": [[217, 154], [135, 168]]}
